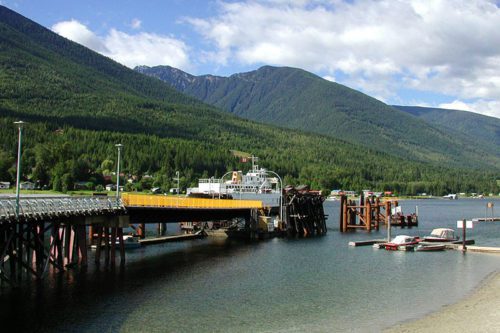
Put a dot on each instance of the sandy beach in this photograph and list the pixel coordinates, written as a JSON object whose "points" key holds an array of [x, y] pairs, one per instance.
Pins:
{"points": [[478, 312]]}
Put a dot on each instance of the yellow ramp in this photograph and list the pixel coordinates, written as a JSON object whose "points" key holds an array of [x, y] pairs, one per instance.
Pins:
{"points": [[186, 202]]}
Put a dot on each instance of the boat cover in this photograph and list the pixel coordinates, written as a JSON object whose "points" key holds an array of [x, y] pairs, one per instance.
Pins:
{"points": [[443, 233], [402, 239]]}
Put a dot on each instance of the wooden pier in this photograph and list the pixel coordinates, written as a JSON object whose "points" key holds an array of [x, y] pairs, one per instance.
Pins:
{"points": [[370, 212], [52, 232], [38, 233]]}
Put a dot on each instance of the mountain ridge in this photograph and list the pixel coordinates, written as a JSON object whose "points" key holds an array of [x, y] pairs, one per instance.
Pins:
{"points": [[479, 126], [297, 99]]}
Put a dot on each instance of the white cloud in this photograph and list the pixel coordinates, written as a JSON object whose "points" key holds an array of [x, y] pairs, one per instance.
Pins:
{"points": [[146, 49], [129, 49], [456, 105], [445, 46], [329, 78], [136, 23], [485, 107], [79, 33]]}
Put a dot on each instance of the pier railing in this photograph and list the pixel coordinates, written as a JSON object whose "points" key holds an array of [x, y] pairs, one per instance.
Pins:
{"points": [[50, 207], [137, 200]]}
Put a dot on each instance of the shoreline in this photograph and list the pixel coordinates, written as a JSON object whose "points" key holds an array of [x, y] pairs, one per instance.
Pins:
{"points": [[478, 311]]}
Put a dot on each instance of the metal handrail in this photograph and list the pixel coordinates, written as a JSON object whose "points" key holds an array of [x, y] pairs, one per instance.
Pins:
{"points": [[54, 207]]}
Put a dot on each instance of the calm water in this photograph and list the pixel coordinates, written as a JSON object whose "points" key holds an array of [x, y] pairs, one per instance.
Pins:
{"points": [[280, 285]]}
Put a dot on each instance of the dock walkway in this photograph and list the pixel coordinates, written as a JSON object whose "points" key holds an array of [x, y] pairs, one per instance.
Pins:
{"points": [[486, 219], [483, 249]]}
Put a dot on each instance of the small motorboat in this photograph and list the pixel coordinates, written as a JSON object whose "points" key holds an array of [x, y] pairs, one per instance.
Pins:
{"points": [[129, 242], [430, 247], [441, 235], [402, 243]]}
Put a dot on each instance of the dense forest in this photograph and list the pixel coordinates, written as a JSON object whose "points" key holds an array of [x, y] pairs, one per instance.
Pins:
{"points": [[59, 157], [79, 104]]}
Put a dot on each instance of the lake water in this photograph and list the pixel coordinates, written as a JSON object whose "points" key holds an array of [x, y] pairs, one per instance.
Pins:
{"points": [[280, 285]]}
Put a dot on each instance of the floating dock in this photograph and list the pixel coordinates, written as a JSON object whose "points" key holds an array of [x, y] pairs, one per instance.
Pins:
{"points": [[453, 245], [368, 242], [486, 219], [484, 249], [168, 239], [379, 243]]}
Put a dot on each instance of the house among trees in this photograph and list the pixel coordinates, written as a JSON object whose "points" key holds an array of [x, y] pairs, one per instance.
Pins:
{"points": [[4, 185], [342, 192], [27, 186], [83, 185], [110, 187]]}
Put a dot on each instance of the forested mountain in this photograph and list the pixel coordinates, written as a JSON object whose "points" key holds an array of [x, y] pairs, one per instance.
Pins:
{"points": [[482, 128], [297, 99], [79, 104]]}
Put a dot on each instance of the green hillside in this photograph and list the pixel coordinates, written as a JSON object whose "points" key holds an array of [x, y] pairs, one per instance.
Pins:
{"points": [[79, 104], [482, 128], [297, 99]]}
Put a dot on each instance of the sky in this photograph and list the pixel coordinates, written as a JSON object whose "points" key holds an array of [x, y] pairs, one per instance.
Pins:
{"points": [[435, 53]]}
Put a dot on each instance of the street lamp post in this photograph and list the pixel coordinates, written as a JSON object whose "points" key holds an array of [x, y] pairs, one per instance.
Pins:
{"points": [[281, 194], [119, 146], [18, 175], [210, 190], [221, 181], [178, 181]]}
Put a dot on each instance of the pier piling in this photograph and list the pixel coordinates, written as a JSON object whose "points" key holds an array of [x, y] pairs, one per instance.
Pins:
{"points": [[304, 211], [369, 212]]}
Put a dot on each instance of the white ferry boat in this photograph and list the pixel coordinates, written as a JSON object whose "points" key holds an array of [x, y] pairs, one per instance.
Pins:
{"points": [[254, 185]]}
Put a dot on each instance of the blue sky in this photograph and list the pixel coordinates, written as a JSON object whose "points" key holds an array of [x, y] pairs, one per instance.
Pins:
{"points": [[440, 53]]}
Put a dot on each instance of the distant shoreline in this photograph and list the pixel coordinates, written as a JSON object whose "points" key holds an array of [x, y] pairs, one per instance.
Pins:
{"points": [[428, 198], [476, 312]]}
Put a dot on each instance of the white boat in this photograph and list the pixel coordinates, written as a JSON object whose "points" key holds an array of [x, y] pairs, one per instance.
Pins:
{"points": [[254, 185], [441, 235], [129, 242], [430, 247], [402, 243]]}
